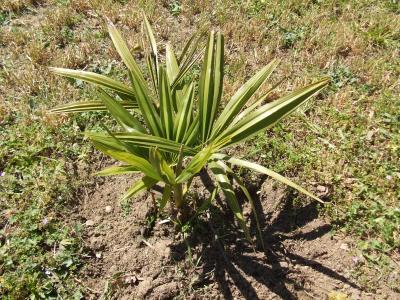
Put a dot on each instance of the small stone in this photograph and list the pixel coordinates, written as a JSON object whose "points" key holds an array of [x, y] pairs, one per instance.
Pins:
{"points": [[89, 223], [108, 209], [130, 279], [356, 260], [321, 188], [96, 243], [369, 135], [284, 264], [345, 247]]}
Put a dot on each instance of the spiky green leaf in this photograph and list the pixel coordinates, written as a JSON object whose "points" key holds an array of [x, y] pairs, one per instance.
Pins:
{"points": [[140, 185], [267, 115], [99, 80], [117, 170], [120, 114], [266, 171], [89, 106], [240, 98]]}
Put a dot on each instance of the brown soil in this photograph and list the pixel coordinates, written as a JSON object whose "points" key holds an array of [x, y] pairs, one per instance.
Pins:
{"points": [[130, 260]]}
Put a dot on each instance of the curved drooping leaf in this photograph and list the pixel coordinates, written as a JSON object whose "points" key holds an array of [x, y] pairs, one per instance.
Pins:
{"points": [[140, 185], [227, 189], [97, 79], [249, 198], [119, 153], [266, 171]]}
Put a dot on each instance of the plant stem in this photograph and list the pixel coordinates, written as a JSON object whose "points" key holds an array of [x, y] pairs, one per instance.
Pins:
{"points": [[178, 196]]}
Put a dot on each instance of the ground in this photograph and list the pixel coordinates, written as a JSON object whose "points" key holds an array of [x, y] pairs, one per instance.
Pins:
{"points": [[65, 233]]}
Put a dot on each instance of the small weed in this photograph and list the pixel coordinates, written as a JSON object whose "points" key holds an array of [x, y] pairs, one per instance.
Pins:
{"points": [[365, 219], [341, 76], [175, 8], [290, 37], [381, 35], [4, 18], [255, 7]]}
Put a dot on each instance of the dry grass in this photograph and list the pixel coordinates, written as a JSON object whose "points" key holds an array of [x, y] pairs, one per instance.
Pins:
{"points": [[354, 150]]}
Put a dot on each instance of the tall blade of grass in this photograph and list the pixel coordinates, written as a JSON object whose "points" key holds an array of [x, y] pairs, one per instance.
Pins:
{"points": [[146, 105], [185, 69], [266, 171], [206, 87], [218, 77], [267, 115], [153, 47], [240, 98], [124, 52], [86, 106], [166, 107], [123, 117], [192, 134], [97, 79], [227, 189], [171, 63], [184, 116]]}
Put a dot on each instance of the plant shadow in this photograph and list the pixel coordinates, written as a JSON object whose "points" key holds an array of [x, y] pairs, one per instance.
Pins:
{"points": [[233, 261]]}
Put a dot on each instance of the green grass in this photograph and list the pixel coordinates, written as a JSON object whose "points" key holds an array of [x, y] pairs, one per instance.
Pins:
{"points": [[38, 252], [347, 139]]}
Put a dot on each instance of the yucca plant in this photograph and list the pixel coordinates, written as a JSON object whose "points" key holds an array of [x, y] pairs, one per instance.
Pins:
{"points": [[184, 128]]}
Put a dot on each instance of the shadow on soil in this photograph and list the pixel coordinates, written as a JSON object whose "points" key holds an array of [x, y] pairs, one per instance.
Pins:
{"points": [[232, 261]]}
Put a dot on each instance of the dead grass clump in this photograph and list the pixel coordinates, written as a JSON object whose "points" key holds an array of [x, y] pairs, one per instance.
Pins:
{"points": [[15, 37], [18, 6], [38, 53], [75, 56]]}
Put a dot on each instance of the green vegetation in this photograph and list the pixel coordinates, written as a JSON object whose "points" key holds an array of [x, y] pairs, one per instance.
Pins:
{"points": [[181, 127], [347, 140], [38, 251]]}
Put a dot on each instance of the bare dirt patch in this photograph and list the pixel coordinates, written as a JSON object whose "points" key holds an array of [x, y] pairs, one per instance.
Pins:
{"points": [[128, 259]]}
